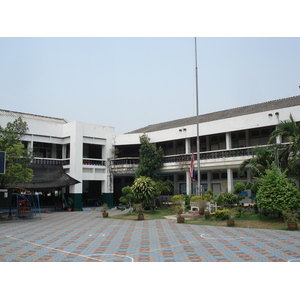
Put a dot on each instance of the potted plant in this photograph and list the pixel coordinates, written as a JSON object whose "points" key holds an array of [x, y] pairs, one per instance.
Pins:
{"points": [[291, 217], [230, 214], [70, 203], [104, 209], [179, 208], [139, 209], [202, 205]]}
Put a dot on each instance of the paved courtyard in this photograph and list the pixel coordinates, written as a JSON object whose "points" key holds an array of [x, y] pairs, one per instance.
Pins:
{"points": [[88, 237]]}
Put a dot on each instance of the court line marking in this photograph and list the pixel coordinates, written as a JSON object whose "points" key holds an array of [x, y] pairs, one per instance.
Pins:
{"points": [[67, 252], [227, 237]]}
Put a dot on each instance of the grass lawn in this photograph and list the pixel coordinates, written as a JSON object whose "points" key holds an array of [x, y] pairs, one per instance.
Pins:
{"points": [[248, 220]]}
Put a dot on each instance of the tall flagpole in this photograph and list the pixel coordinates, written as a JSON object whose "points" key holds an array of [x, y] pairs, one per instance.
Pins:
{"points": [[199, 191]]}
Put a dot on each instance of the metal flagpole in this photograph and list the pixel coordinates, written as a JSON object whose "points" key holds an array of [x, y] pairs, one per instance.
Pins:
{"points": [[199, 191]]}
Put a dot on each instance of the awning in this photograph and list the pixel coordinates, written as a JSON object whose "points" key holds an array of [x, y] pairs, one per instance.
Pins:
{"points": [[46, 178]]}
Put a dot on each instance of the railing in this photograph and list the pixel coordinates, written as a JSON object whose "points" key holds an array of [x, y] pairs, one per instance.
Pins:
{"points": [[64, 162], [178, 158], [93, 162], [51, 161]]}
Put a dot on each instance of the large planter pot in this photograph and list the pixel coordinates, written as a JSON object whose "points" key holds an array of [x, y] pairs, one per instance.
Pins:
{"points": [[180, 219], [141, 217], [69, 209], [230, 223], [105, 214], [292, 226], [201, 211]]}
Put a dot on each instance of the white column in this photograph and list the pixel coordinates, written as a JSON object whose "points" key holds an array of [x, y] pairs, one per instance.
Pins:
{"points": [[229, 180], [76, 155], [228, 140], [187, 146], [188, 183]]}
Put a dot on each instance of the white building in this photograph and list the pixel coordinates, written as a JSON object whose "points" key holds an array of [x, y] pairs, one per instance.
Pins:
{"points": [[226, 140], [85, 150], [81, 149]]}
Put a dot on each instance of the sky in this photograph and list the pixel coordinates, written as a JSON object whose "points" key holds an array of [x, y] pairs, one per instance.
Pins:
{"points": [[132, 82]]}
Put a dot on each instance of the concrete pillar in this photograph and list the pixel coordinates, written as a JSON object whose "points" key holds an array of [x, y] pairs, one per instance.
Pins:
{"points": [[228, 140], [188, 183], [229, 180], [188, 146]]}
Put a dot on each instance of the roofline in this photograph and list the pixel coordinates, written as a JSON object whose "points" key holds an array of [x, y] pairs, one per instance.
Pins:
{"points": [[33, 115], [222, 114]]}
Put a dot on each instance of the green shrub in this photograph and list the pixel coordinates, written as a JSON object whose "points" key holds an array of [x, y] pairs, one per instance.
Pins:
{"points": [[195, 198], [178, 198], [238, 212], [277, 193], [230, 199], [222, 214], [219, 199], [239, 187], [207, 215]]}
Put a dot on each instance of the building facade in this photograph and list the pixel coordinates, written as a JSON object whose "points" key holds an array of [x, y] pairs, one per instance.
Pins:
{"points": [[104, 163], [81, 149], [227, 138]]}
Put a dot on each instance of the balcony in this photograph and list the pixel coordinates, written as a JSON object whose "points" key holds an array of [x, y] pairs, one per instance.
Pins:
{"points": [[180, 162], [94, 162], [51, 161]]}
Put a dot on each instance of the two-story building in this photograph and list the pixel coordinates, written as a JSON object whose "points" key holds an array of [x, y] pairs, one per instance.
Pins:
{"points": [[87, 152], [226, 139]]}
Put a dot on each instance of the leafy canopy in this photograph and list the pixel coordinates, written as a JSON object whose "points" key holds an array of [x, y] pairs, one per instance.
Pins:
{"points": [[17, 157], [145, 190], [276, 192], [151, 158]]}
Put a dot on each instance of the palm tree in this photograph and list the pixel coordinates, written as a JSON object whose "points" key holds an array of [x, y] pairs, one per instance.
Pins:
{"points": [[290, 155], [262, 159]]}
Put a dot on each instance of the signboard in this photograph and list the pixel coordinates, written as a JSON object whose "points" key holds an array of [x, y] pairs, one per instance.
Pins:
{"points": [[2, 162]]}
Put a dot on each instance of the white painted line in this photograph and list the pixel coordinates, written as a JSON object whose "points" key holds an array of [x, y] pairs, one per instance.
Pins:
{"points": [[294, 260], [50, 248], [67, 252], [122, 256], [227, 237]]}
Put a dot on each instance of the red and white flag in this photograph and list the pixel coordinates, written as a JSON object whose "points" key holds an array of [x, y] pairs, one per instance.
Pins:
{"points": [[192, 172]]}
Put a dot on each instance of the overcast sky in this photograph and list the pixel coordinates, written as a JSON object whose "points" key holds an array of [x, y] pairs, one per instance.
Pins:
{"points": [[131, 82]]}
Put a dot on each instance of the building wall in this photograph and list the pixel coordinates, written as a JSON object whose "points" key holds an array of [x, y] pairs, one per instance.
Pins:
{"points": [[74, 135]]}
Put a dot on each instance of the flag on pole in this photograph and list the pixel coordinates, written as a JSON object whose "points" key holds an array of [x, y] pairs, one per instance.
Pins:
{"points": [[192, 172]]}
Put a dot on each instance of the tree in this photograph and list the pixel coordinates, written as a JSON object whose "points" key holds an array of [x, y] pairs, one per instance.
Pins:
{"points": [[276, 192], [262, 158], [289, 156], [18, 158], [128, 197], [144, 190], [151, 158]]}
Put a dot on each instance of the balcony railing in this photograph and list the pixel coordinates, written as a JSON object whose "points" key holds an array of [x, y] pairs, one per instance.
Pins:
{"points": [[178, 158], [94, 162], [51, 161]]}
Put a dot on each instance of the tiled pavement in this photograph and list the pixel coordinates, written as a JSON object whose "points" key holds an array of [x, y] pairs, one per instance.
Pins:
{"points": [[87, 237]]}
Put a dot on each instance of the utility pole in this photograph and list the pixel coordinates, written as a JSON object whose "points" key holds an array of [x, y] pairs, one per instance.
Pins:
{"points": [[199, 191]]}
